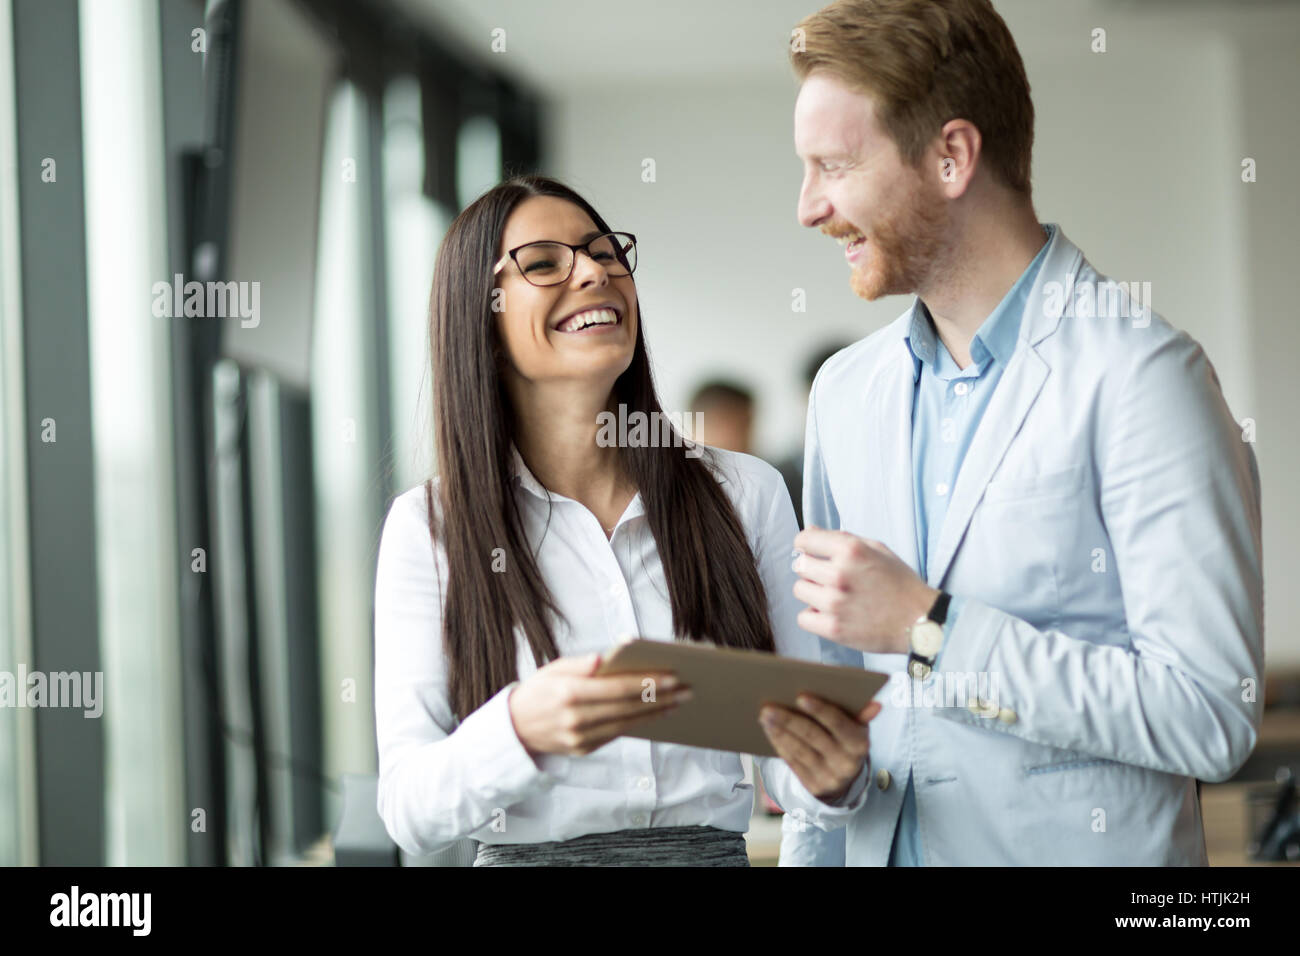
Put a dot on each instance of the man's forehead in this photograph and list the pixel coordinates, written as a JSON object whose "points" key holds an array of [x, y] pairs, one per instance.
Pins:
{"points": [[831, 119]]}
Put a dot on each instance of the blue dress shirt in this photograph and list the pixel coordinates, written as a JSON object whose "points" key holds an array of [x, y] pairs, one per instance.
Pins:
{"points": [[947, 406]]}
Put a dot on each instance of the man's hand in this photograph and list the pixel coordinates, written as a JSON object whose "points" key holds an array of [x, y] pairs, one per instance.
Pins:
{"points": [[859, 593], [823, 745]]}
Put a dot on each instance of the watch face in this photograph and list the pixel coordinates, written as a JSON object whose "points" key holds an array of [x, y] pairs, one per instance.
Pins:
{"points": [[927, 638]]}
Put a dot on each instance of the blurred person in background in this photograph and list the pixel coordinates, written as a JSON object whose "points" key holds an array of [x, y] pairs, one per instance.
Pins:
{"points": [[724, 415]]}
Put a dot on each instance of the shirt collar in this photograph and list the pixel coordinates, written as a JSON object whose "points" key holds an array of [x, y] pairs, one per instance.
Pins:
{"points": [[996, 337], [523, 476]]}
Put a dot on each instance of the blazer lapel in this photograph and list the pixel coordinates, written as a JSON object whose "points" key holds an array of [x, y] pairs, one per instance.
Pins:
{"points": [[1011, 401], [1015, 395], [892, 408]]}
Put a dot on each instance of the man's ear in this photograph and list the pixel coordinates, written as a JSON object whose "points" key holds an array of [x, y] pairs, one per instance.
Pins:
{"points": [[960, 148]]}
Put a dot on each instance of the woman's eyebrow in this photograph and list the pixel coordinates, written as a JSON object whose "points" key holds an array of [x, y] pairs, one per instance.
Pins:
{"points": [[587, 238]]}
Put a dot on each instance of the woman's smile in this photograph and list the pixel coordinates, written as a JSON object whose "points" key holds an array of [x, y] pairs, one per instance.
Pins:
{"points": [[591, 319]]}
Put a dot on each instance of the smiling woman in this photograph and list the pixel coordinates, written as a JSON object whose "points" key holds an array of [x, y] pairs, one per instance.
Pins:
{"points": [[538, 544], [554, 376]]}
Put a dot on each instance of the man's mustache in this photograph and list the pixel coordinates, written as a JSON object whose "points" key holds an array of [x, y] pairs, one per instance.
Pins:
{"points": [[838, 229]]}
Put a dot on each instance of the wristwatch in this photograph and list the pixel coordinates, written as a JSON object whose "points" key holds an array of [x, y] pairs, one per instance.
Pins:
{"points": [[925, 637]]}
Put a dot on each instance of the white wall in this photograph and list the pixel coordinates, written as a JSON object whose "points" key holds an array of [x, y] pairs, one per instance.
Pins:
{"points": [[1137, 156], [719, 249], [1270, 82]]}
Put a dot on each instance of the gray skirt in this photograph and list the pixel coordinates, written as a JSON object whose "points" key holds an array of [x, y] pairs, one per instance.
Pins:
{"points": [[657, 846]]}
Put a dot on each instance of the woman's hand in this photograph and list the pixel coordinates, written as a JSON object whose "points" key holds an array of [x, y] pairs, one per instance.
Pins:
{"points": [[563, 709]]}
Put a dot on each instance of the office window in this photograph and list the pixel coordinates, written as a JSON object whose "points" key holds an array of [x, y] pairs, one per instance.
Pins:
{"points": [[345, 446], [414, 227], [17, 783], [132, 426], [478, 158]]}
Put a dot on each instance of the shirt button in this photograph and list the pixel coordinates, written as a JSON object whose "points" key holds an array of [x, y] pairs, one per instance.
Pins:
{"points": [[638, 819], [941, 489], [643, 783], [961, 388], [616, 589], [882, 779], [1007, 715]]}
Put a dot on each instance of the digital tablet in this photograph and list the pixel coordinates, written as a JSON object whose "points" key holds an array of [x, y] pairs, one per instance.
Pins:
{"points": [[729, 689]]}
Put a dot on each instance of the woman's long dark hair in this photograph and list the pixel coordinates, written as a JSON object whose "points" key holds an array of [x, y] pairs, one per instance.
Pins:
{"points": [[713, 583]]}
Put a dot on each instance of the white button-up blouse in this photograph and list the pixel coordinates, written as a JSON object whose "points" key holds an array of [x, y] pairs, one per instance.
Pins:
{"points": [[440, 781]]}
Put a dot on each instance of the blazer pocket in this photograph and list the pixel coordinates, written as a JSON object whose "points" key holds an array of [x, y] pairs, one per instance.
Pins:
{"points": [[1069, 763], [1044, 758], [1050, 484]]}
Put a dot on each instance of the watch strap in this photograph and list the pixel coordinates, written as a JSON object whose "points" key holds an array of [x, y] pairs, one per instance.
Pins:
{"points": [[939, 610]]}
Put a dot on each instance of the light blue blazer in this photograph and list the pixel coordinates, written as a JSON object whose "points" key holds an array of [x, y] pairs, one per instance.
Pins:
{"points": [[1105, 533]]}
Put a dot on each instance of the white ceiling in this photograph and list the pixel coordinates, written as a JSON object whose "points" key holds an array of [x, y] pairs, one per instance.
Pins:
{"points": [[562, 45]]}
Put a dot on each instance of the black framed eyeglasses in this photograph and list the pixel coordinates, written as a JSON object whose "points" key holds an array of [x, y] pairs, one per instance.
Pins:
{"points": [[546, 263]]}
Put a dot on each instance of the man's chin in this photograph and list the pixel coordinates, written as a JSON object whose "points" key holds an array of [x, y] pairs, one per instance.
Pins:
{"points": [[872, 285], [867, 287]]}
